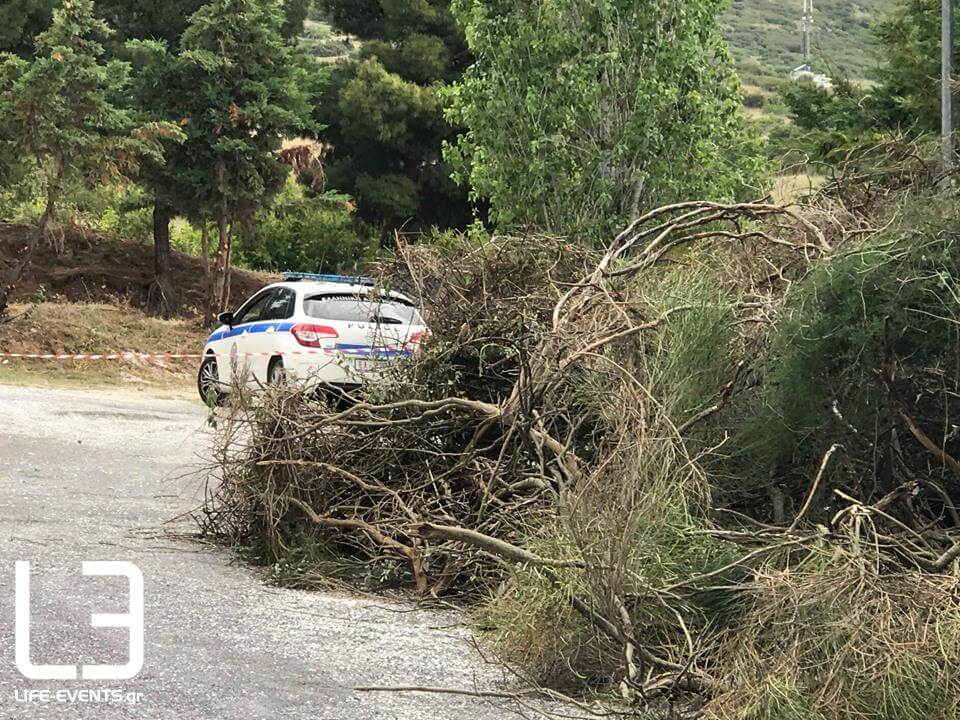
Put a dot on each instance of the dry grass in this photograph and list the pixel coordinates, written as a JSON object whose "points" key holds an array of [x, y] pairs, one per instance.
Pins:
{"points": [[791, 188], [835, 638], [97, 328]]}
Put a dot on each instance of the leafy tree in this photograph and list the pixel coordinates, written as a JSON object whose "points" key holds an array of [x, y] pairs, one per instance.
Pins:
{"points": [[237, 90], [303, 232], [152, 20], [908, 96], [159, 87], [383, 112], [21, 21], [58, 111], [162, 89], [827, 124], [147, 19], [582, 114], [823, 122]]}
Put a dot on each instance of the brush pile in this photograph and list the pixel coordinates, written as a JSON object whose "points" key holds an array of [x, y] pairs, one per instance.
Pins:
{"points": [[648, 464]]}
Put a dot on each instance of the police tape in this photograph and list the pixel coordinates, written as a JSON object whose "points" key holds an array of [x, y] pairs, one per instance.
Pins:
{"points": [[141, 357]]}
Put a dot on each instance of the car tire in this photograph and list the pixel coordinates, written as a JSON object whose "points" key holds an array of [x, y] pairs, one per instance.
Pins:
{"points": [[276, 375], [208, 381]]}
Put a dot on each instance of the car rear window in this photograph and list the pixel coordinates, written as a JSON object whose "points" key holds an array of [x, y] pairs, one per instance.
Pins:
{"points": [[354, 308]]}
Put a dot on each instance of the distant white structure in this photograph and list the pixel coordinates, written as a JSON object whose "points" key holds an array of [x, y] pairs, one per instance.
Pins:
{"points": [[805, 73]]}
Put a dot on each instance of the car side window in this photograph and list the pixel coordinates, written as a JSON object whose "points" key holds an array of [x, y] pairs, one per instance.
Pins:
{"points": [[253, 310], [280, 306]]}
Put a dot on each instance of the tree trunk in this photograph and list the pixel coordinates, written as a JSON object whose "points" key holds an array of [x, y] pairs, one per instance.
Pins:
{"points": [[161, 253], [10, 281], [207, 280], [221, 266], [227, 274]]}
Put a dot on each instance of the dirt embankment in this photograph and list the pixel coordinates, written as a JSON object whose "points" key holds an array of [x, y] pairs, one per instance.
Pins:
{"points": [[97, 268], [97, 328], [96, 297]]}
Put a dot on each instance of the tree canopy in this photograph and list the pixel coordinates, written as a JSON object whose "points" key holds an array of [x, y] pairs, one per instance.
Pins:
{"points": [[579, 115], [59, 110], [384, 117], [21, 21], [906, 98], [908, 95], [246, 93]]}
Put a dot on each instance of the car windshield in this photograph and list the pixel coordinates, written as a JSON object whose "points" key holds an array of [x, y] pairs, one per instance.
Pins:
{"points": [[359, 308]]}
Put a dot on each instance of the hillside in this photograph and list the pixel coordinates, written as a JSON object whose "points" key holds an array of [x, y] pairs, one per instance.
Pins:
{"points": [[765, 36], [101, 268], [95, 297]]}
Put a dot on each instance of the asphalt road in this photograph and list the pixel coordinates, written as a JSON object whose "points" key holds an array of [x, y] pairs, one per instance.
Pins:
{"points": [[92, 476]]}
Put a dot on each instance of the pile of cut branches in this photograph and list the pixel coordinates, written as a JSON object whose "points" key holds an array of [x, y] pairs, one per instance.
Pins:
{"points": [[517, 407], [545, 452]]}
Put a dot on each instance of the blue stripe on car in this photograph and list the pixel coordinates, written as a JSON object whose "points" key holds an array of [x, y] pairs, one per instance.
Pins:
{"points": [[257, 327], [347, 349]]}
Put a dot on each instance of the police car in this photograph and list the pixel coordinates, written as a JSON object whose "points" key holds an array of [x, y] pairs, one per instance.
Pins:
{"points": [[325, 330]]}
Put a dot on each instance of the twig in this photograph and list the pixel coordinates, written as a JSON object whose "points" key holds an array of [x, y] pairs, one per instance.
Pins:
{"points": [[813, 488], [491, 544], [449, 691], [725, 394]]}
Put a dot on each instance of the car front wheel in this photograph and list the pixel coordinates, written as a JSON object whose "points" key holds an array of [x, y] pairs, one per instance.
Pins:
{"points": [[208, 382]]}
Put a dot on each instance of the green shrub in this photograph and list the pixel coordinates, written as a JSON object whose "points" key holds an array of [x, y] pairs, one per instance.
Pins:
{"points": [[185, 237], [307, 234], [834, 640], [829, 339], [695, 352], [135, 224]]}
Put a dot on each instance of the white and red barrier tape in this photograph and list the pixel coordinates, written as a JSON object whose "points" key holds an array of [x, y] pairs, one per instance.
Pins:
{"points": [[138, 357]]}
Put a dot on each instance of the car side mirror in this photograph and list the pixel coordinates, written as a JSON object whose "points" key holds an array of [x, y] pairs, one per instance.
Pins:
{"points": [[226, 318]]}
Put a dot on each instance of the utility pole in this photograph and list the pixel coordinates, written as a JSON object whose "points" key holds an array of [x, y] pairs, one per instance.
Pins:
{"points": [[946, 84], [808, 30]]}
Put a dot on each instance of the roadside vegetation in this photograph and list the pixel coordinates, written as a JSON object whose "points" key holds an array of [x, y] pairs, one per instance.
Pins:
{"points": [[88, 328], [704, 466], [683, 437]]}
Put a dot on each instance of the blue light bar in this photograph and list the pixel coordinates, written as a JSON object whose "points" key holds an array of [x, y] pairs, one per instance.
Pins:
{"points": [[319, 277]]}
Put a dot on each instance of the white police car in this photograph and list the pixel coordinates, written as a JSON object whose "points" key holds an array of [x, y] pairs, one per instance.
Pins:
{"points": [[325, 330]]}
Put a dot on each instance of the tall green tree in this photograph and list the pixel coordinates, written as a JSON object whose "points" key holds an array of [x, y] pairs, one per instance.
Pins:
{"points": [[21, 21], [383, 112], [826, 124], [580, 114], [908, 95], [237, 91], [59, 112], [159, 85]]}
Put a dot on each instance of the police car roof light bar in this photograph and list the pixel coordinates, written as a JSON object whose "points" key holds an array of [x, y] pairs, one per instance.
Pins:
{"points": [[321, 277]]}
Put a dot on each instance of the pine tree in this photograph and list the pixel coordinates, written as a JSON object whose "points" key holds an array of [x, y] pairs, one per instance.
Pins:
{"points": [[153, 27], [58, 112], [383, 113], [21, 21], [238, 91]]}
